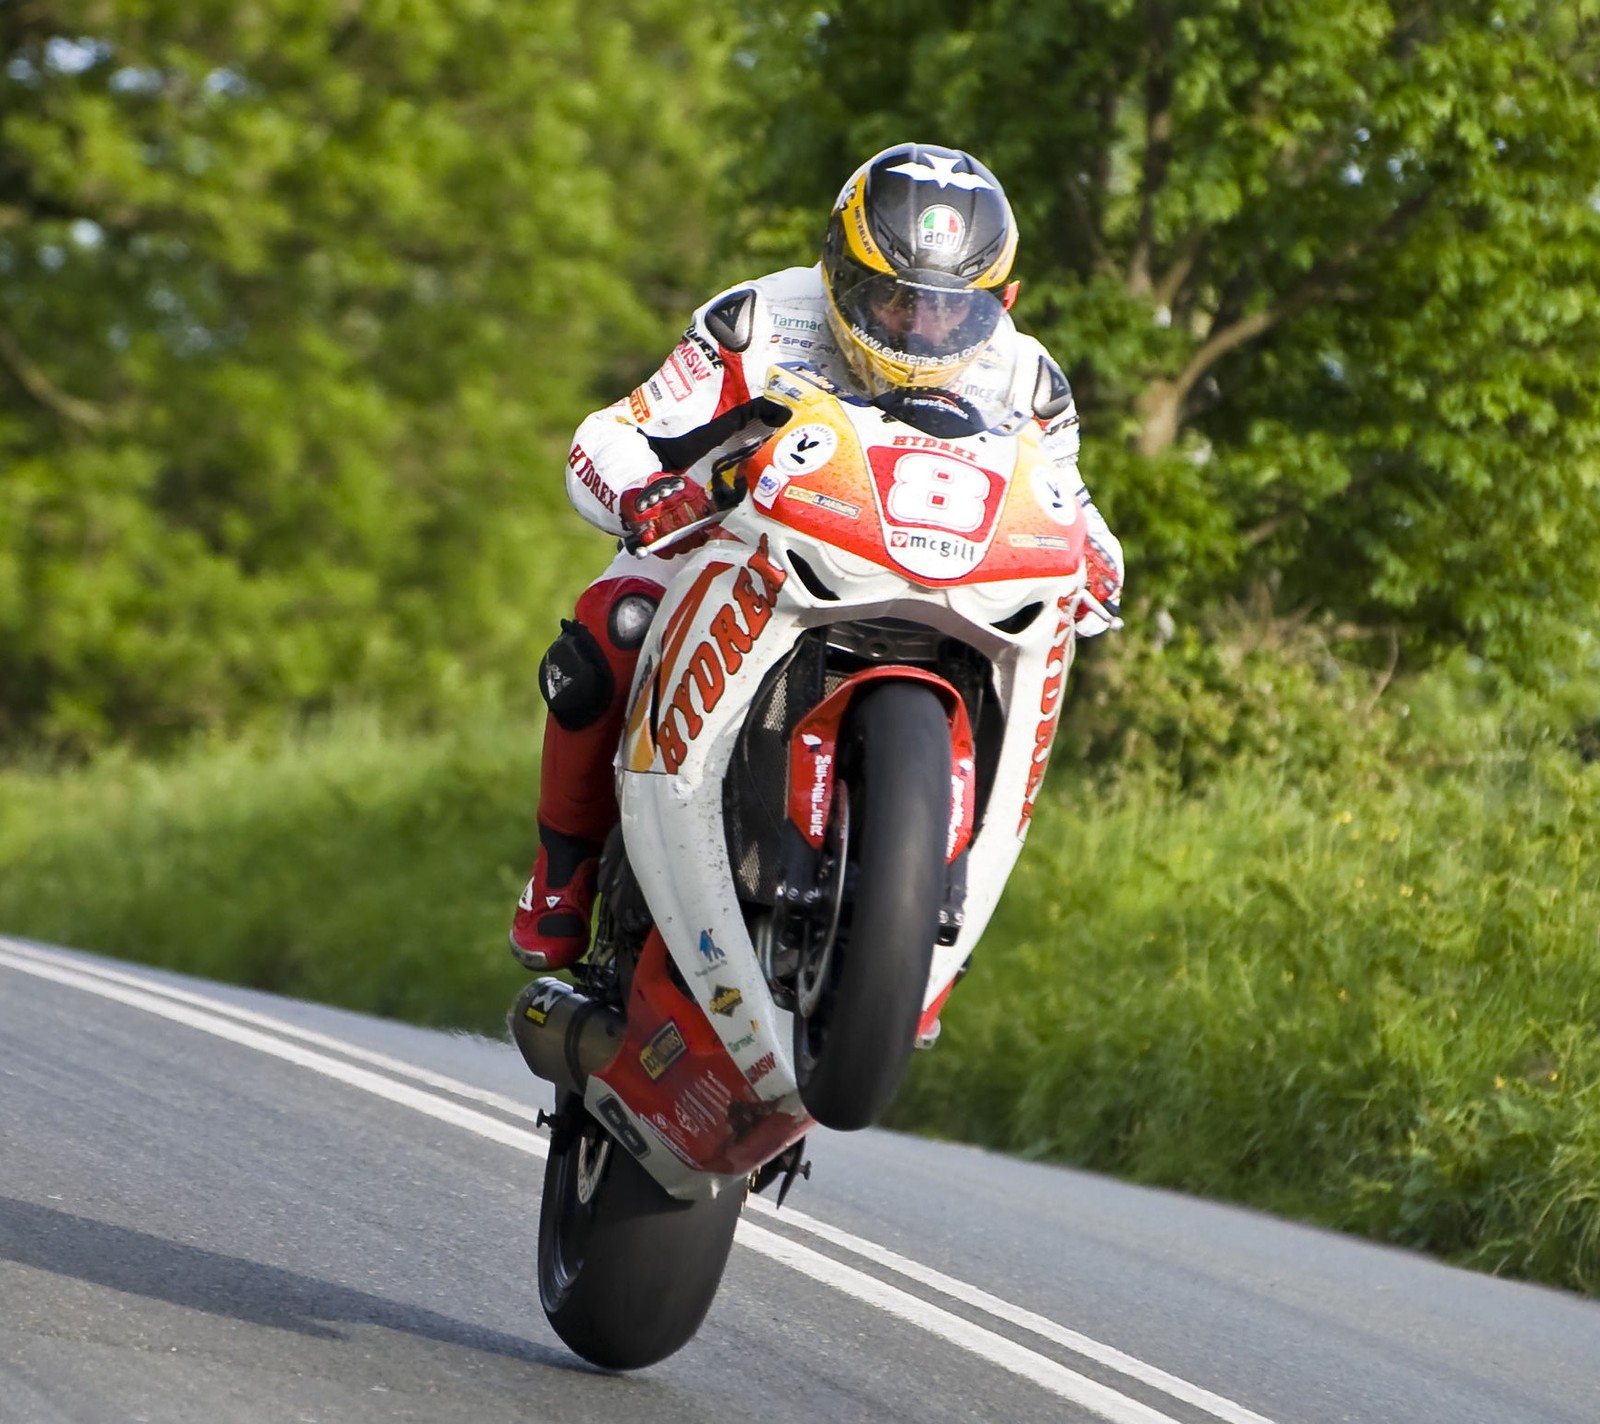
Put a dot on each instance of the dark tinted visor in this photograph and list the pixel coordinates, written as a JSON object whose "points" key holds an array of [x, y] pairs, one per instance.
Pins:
{"points": [[920, 321]]}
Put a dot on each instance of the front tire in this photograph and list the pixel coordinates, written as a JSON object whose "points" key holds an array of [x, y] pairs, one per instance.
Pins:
{"points": [[626, 1273], [852, 1051]]}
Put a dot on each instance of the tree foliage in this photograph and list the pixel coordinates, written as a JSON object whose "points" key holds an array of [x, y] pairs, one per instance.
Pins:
{"points": [[1326, 277], [299, 301]]}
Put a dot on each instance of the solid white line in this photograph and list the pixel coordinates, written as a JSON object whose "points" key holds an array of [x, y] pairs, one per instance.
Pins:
{"points": [[241, 1026], [397, 1066]]}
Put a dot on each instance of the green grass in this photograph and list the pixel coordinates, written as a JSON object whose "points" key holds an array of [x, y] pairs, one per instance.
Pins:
{"points": [[372, 872], [1364, 995], [1378, 1012]]}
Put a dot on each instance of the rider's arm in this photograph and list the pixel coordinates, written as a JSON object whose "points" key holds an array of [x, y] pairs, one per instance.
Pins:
{"points": [[1057, 416], [698, 400]]}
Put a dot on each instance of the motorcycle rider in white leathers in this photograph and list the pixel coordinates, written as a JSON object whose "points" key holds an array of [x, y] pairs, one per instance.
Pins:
{"points": [[914, 228]]}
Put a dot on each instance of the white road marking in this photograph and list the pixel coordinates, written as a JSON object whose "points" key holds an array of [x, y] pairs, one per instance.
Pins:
{"points": [[293, 1044]]}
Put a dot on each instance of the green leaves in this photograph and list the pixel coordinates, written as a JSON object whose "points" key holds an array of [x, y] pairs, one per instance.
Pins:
{"points": [[299, 303], [1342, 260]]}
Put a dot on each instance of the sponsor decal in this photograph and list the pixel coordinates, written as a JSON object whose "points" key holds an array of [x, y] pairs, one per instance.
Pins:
{"points": [[769, 487], [1039, 541], [589, 477], [804, 449], [710, 951], [940, 229], [840, 507], [638, 406], [526, 902], [544, 998], [1049, 710], [663, 1050], [741, 1043], [940, 169], [930, 442], [945, 548], [725, 1000], [863, 232], [708, 348], [690, 362], [733, 629], [615, 1116], [1050, 489], [674, 379], [795, 323], [820, 797], [700, 1107], [783, 386], [761, 1067]]}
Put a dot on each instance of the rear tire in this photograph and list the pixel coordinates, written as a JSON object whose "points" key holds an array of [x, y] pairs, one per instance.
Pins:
{"points": [[626, 1273], [851, 1053]]}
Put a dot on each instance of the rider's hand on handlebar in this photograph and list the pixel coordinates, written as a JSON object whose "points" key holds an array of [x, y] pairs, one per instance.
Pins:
{"points": [[660, 507], [1103, 581]]}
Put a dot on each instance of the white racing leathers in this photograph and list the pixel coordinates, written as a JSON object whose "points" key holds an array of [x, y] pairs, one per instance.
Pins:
{"points": [[700, 408]]}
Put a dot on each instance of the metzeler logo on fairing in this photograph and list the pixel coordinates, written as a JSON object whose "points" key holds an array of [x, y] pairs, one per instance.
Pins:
{"points": [[734, 629]]}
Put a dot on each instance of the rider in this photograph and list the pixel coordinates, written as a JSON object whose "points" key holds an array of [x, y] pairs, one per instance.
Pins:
{"points": [[914, 229]]}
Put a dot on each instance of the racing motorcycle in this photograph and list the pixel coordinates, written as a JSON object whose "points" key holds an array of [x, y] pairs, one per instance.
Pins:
{"points": [[837, 729]]}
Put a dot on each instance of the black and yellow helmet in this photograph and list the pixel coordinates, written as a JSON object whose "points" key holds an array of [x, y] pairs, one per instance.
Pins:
{"points": [[918, 241]]}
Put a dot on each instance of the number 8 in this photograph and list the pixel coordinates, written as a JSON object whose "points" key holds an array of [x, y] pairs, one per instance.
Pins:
{"points": [[928, 489]]}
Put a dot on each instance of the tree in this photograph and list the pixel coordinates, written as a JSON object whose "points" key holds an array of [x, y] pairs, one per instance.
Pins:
{"points": [[299, 303], [1326, 277]]}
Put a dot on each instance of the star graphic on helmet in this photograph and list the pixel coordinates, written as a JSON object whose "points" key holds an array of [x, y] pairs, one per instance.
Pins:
{"points": [[941, 170]]}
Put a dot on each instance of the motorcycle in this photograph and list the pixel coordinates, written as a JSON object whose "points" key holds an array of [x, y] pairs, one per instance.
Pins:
{"points": [[837, 730]]}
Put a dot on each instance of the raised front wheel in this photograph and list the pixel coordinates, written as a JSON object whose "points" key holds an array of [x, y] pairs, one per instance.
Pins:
{"points": [[851, 1050]]}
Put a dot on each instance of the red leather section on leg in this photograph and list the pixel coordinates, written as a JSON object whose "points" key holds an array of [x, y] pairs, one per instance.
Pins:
{"points": [[576, 792]]}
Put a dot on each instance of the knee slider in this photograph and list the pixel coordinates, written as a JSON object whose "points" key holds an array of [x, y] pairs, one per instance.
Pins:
{"points": [[575, 678]]}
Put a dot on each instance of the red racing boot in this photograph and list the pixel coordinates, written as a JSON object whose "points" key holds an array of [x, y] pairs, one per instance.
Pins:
{"points": [[551, 927]]}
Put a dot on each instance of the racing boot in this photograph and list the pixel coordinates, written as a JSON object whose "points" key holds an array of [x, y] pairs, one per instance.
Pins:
{"points": [[551, 927]]}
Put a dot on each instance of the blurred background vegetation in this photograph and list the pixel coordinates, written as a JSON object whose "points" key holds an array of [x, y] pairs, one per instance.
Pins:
{"points": [[300, 301]]}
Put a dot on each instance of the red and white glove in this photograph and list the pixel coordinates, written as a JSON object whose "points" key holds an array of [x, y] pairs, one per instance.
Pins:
{"points": [[659, 507], [1103, 583]]}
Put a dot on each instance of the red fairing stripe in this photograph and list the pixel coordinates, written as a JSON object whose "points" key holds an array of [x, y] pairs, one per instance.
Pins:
{"points": [[813, 751], [1044, 734]]}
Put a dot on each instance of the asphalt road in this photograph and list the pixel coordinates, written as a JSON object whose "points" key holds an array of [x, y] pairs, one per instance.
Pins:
{"points": [[222, 1206]]}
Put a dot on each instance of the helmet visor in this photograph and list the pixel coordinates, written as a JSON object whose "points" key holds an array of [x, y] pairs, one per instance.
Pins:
{"points": [[928, 324]]}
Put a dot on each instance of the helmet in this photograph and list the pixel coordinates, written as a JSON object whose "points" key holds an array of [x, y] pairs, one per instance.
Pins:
{"points": [[917, 240]]}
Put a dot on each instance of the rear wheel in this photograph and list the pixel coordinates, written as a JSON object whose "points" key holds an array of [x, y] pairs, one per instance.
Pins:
{"points": [[851, 1050], [626, 1273]]}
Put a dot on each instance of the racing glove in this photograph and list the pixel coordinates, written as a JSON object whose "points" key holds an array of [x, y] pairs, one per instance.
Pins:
{"points": [[1103, 582], [660, 507]]}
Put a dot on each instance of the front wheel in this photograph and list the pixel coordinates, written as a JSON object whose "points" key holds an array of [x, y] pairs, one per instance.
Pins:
{"points": [[852, 1049], [626, 1273]]}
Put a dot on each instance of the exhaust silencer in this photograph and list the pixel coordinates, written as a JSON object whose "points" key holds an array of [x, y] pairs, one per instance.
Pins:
{"points": [[564, 1036]]}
